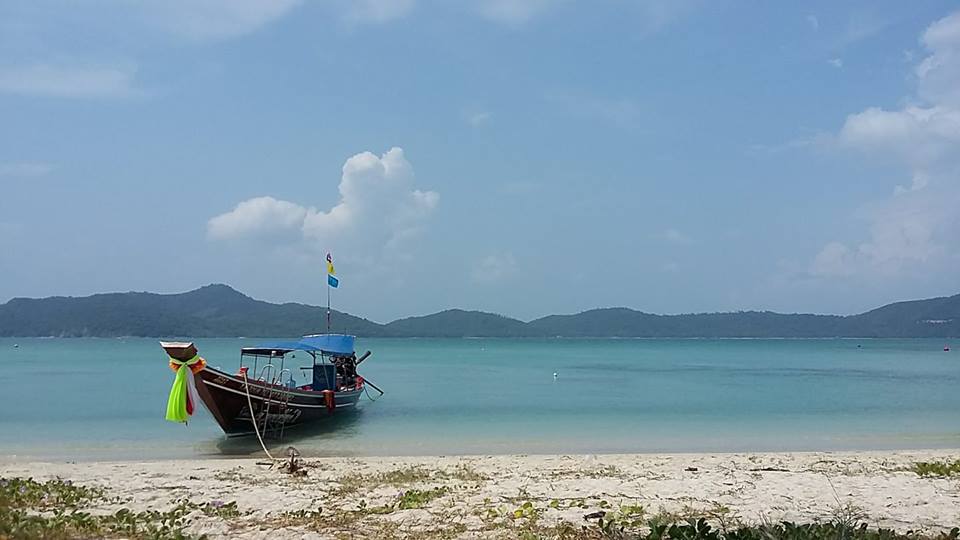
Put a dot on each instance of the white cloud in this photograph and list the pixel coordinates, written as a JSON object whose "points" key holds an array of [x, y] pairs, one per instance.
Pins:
{"points": [[494, 268], [379, 209], [814, 22], [214, 19], [922, 136], [513, 12], [835, 62], [375, 11], [646, 15], [907, 231], [673, 236], [24, 169], [258, 216], [939, 73], [71, 81], [478, 119], [834, 259], [917, 227]]}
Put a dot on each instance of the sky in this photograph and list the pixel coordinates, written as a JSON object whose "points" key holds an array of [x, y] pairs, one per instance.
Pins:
{"points": [[522, 157]]}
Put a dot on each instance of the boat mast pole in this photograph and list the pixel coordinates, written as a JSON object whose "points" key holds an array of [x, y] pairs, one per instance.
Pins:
{"points": [[328, 304]]}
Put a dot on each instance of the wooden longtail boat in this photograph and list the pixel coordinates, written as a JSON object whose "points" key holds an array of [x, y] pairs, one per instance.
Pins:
{"points": [[264, 391]]}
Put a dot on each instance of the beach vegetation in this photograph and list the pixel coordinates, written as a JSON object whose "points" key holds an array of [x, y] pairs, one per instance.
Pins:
{"points": [[415, 498], [57, 493], [60, 509], [937, 468], [701, 529], [407, 476]]}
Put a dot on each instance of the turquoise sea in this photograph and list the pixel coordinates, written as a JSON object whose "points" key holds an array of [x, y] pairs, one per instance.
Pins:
{"points": [[81, 399]]}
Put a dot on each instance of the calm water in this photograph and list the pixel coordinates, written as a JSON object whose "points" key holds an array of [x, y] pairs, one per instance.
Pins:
{"points": [[106, 398]]}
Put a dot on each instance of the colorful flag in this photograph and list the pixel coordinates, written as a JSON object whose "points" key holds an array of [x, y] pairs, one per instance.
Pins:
{"points": [[330, 269], [333, 281]]}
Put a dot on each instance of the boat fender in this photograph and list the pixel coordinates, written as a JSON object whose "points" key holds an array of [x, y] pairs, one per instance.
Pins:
{"points": [[359, 382], [328, 399]]}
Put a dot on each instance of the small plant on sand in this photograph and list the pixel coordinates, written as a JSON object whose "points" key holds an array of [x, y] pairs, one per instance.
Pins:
{"points": [[415, 498], [465, 474], [221, 509], [527, 511], [937, 468], [354, 482]]}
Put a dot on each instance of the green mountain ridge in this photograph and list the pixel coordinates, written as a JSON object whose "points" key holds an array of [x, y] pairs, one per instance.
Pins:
{"points": [[221, 311]]}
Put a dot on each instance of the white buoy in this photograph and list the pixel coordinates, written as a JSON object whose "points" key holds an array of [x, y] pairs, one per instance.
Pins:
{"points": [[16, 345], [555, 375]]}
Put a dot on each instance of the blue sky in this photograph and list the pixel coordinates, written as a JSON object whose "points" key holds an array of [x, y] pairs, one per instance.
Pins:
{"points": [[524, 157]]}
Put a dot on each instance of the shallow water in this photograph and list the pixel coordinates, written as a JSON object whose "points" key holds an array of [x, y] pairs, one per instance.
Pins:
{"points": [[106, 398]]}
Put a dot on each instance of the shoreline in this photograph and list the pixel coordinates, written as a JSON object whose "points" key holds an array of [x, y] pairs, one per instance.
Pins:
{"points": [[478, 496], [95, 454]]}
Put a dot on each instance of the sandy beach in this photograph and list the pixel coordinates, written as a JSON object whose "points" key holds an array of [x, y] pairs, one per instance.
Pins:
{"points": [[501, 496]]}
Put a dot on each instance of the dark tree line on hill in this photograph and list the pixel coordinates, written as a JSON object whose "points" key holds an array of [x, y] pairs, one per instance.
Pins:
{"points": [[220, 311]]}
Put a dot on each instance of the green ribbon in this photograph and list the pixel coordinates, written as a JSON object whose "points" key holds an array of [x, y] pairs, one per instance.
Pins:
{"points": [[177, 402]]}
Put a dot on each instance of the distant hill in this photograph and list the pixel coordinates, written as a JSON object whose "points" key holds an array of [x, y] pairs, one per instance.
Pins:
{"points": [[218, 310], [214, 310], [457, 323], [623, 322]]}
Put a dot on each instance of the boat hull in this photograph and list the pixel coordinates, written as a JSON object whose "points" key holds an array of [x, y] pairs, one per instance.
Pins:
{"points": [[274, 408]]}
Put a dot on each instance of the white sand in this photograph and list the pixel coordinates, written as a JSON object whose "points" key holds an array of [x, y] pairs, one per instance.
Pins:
{"points": [[485, 490]]}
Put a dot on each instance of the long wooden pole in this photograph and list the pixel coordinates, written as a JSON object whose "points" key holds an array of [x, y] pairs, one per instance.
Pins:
{"points": [[375, 387]]}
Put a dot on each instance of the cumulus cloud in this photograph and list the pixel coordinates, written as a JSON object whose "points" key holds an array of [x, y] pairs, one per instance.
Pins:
{"points": [[69, 81], [379, 208], [922, 136], [910, 229], [258, 216], [939, 73], [918, 225]]}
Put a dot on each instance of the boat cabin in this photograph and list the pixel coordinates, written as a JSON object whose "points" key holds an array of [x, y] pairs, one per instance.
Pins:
{"points": [[333, 362]]}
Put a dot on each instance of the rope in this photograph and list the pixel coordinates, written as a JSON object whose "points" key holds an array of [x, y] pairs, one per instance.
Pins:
{"points": [[253, 420], [366, 390]]}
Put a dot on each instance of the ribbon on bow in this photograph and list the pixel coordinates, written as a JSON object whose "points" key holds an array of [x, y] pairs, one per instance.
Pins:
{"points": [[180, 404]]}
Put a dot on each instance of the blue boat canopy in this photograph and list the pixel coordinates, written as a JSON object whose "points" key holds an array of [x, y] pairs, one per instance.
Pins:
{"points": [[337, 344], [331, 343]]}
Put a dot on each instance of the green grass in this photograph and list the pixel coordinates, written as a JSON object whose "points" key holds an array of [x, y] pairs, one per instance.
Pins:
{"points": [[937, 468], [416, 498]]}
